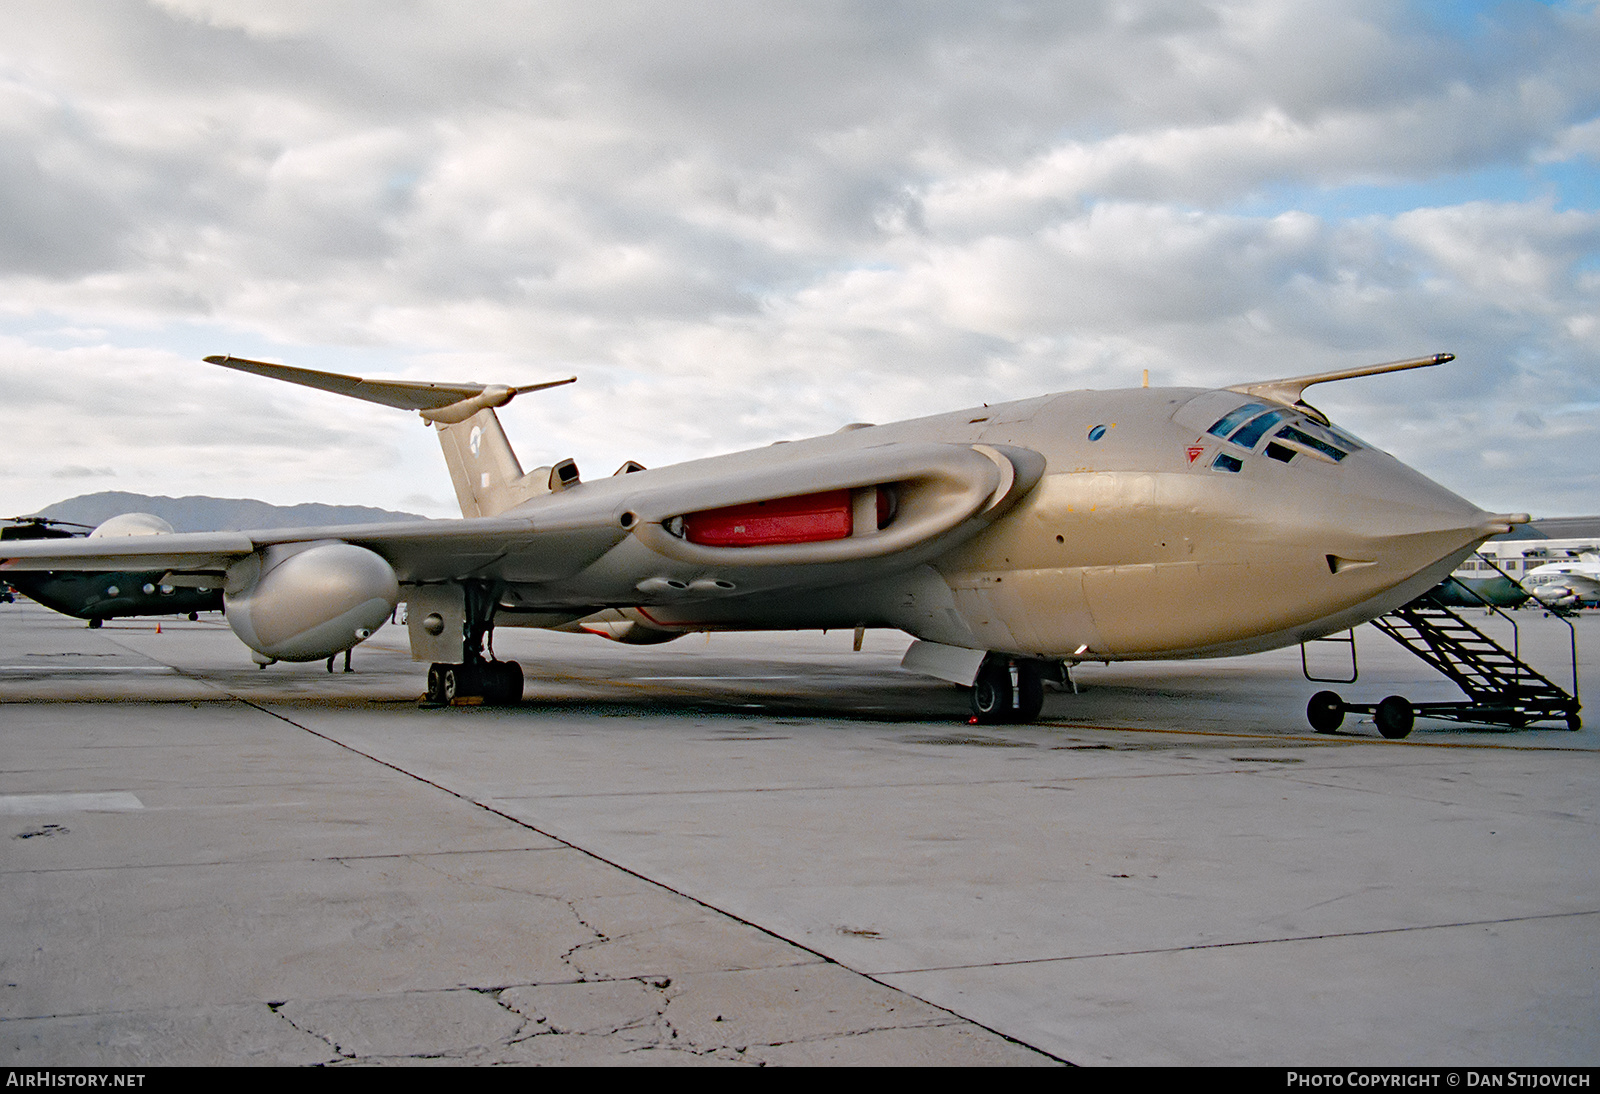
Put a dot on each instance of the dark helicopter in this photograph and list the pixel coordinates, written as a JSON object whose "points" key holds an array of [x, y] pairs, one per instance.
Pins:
{"points": [[101, 596]]}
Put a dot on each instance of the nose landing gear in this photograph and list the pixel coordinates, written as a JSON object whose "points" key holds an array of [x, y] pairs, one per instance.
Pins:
{"points": [[1007, 691]]}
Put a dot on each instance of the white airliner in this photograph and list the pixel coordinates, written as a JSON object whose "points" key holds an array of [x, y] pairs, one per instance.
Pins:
{"points": [[1009, 540], [1568, 584]]}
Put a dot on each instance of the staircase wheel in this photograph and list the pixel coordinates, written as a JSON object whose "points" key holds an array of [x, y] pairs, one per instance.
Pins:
{"points": [[1574, 722], [1394, 717], [1325, 712]]}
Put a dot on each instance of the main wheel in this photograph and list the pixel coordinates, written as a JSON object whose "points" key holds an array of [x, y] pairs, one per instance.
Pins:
{"points": [[1394, 717], [992, 693], [1325, 712], [1030, 693], [452, 682], [503, 683]]}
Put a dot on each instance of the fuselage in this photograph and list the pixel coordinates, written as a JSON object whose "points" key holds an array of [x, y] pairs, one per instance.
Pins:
{"points": [[113, 595], [1167, 523]]}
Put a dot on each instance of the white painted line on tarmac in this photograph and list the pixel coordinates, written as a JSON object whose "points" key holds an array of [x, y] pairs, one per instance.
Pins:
{"points": [[664, 678], [58, 669], [112, 801]]}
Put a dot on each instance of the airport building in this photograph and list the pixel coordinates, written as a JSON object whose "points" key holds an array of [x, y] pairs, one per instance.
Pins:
{"points": [[1537, 543]]}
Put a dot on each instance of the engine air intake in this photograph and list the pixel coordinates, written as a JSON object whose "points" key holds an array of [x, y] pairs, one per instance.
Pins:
{"points": [[809, 518]]}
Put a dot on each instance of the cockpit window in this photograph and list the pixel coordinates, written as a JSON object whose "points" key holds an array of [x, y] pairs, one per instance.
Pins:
{"points": [[1341, 437], [1252, 431], [1229, 421], [1277, 430], [1300, 436]]}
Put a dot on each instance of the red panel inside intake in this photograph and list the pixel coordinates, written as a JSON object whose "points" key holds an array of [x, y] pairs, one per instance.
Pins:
{"points": [[810, 518]]}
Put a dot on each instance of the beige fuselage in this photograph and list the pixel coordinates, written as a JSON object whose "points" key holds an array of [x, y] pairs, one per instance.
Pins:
{"points": [[1136, 541]]}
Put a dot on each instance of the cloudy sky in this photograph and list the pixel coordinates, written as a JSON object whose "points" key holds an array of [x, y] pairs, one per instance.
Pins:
{"points": [[745, 221]]}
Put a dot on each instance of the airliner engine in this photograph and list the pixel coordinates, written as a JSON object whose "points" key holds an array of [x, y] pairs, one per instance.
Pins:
{"points": [[307, 601]]}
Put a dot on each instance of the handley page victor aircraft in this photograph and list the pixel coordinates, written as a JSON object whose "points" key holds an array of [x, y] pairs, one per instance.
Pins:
{"points": [[1009, 540]]}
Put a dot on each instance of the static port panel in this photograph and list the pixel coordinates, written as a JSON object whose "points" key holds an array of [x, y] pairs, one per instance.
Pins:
{"points": [[810, 518]]}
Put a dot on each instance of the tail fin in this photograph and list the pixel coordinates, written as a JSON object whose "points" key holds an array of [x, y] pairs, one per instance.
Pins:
{"points": [[484, 470]]}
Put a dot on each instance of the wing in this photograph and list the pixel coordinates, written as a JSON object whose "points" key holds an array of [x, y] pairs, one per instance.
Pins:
{"points": [[199, 551], [418, 551], [765, 520]]}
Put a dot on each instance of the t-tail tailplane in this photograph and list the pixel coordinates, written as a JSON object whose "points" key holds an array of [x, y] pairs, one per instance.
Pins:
{"points": [[484, 470]]}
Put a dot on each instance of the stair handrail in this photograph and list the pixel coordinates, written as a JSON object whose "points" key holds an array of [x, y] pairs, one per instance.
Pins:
{"points": [[1515, 651]]}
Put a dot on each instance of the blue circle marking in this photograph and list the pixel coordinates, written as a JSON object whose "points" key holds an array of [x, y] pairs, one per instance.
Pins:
{"points": [[1097, 432]]}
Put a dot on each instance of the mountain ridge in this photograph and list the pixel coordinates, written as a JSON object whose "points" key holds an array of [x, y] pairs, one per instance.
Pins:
{"points": [[201, 513]]}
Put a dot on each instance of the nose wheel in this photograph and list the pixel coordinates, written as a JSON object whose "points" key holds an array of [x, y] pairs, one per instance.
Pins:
{"points": [[1007, 691]]}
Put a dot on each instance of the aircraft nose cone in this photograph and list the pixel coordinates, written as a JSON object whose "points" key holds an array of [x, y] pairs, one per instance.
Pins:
{"points": [[1391, 515]]}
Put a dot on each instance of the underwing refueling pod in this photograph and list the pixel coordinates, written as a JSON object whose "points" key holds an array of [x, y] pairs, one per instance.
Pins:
{"points": [[1010, 540]]}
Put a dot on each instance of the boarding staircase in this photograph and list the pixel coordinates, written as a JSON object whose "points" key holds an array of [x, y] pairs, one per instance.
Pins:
{"points": [[1500, 688]]}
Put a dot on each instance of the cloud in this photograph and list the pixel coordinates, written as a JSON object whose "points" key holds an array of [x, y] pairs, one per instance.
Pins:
{"points": [[741, 223]]}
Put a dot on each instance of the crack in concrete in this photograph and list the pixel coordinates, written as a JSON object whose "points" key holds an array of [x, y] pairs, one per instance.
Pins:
{"points": [[277, 1011], [600, 936], [497, 996]]}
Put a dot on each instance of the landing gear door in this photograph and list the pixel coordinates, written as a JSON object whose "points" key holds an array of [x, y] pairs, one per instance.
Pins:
{"points": [[436, 620]]}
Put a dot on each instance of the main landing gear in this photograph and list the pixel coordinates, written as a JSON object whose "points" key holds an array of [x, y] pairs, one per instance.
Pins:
{"points": [[495, 683], [1007, 690], [479, 678]]}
